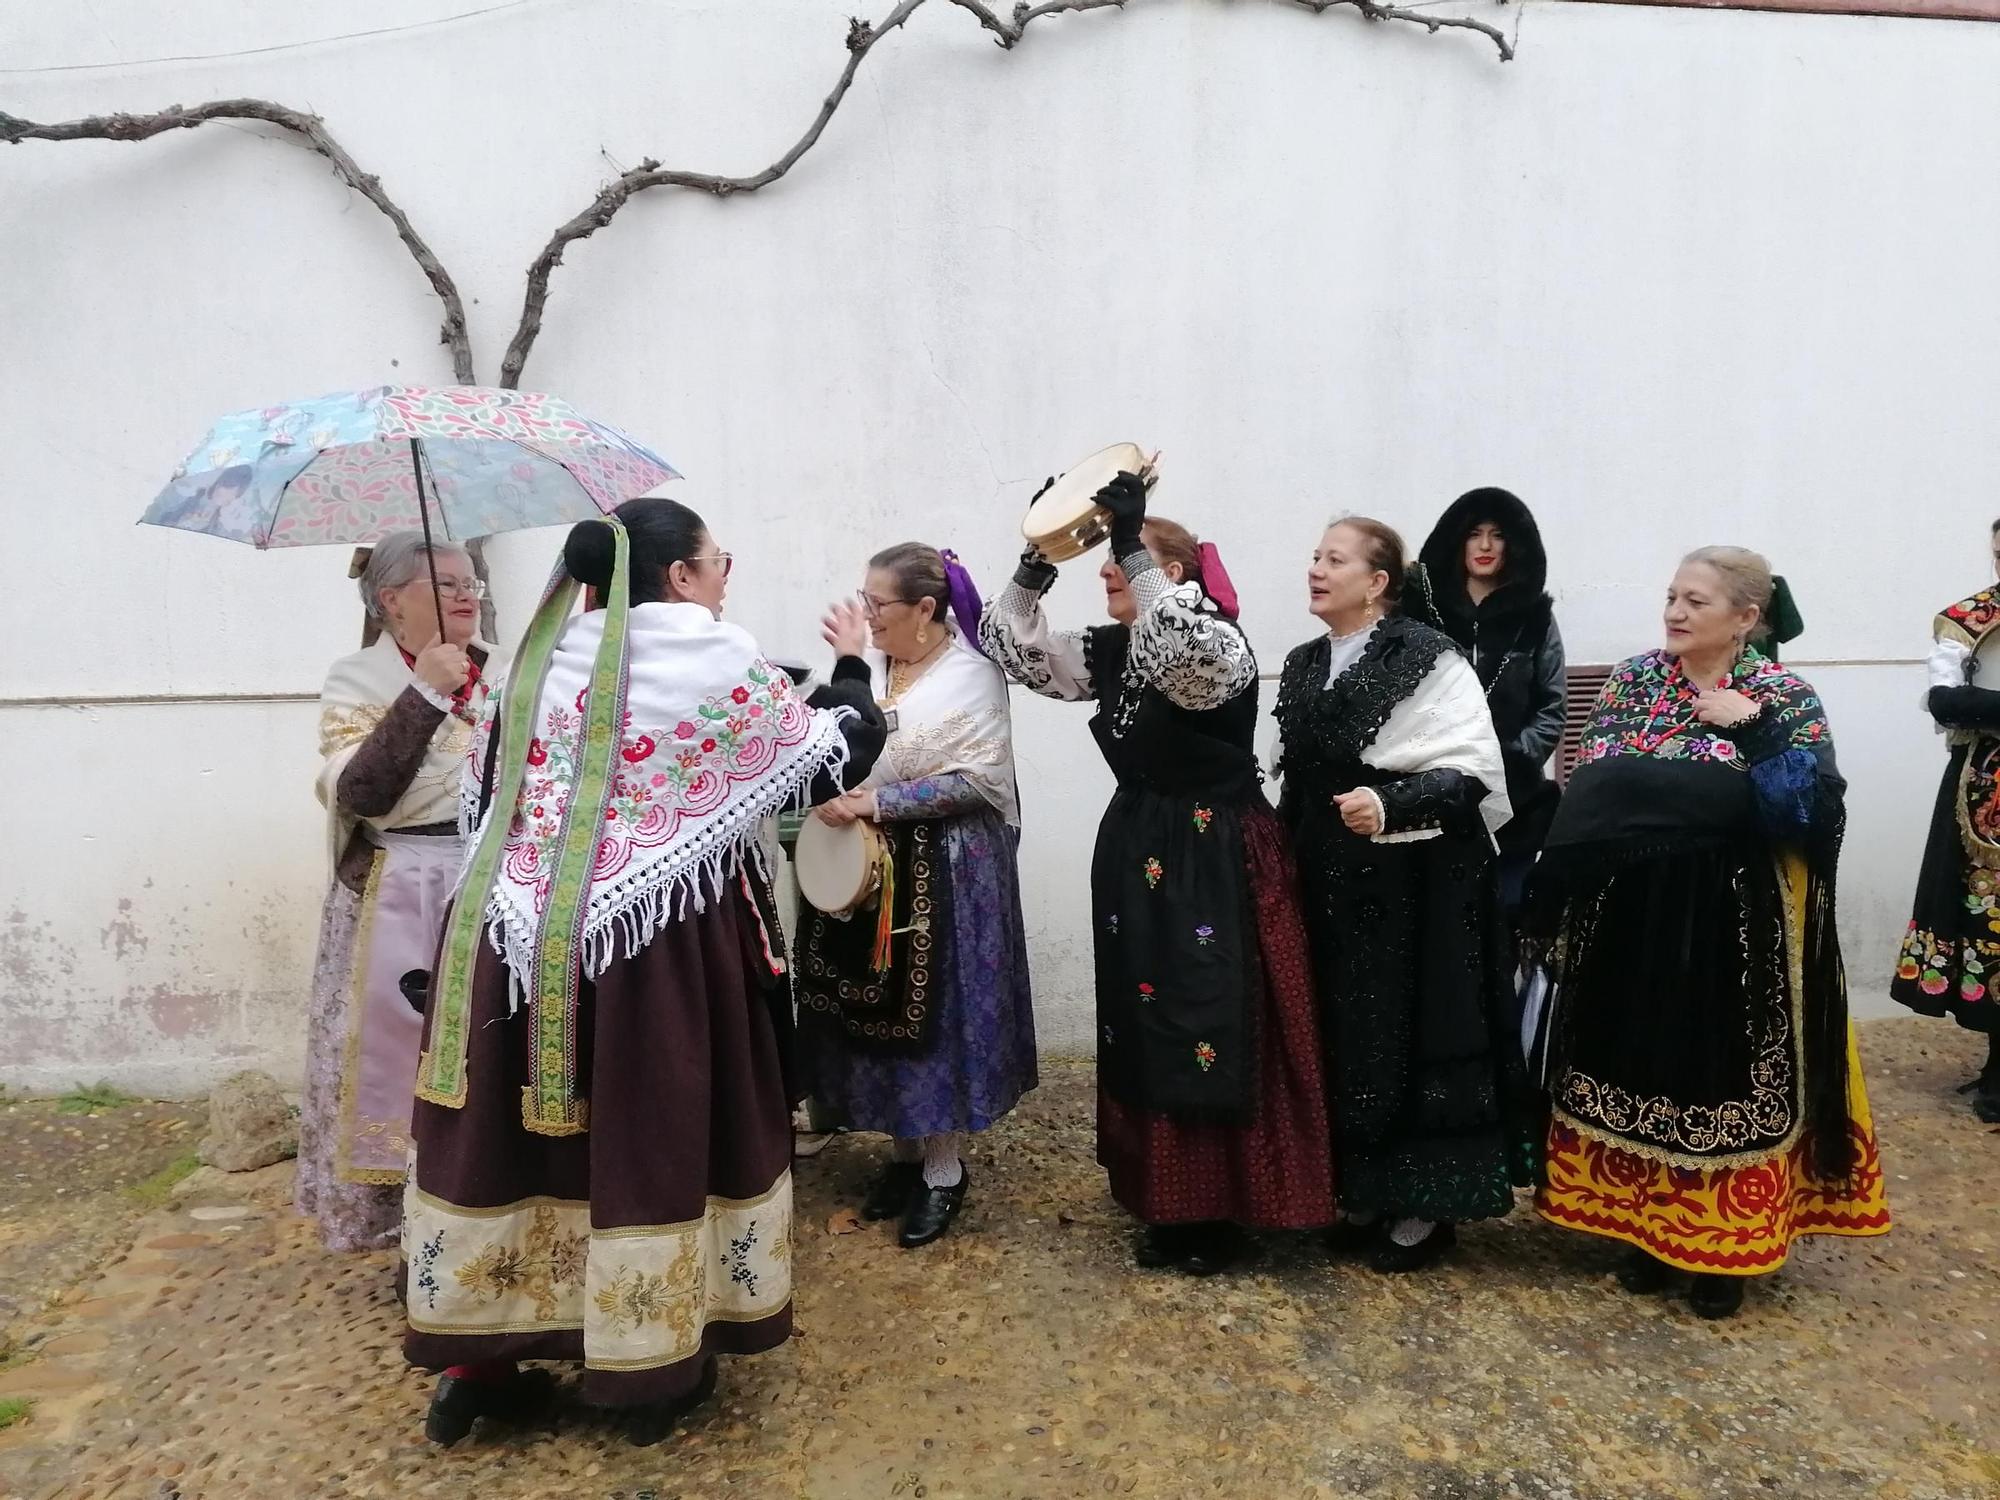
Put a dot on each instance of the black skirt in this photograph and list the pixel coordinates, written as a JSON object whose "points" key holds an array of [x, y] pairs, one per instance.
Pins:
{"points": [[1950, 960]]}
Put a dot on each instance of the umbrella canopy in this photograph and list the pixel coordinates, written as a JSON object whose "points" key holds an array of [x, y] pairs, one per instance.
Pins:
{"points": [[345, 468]]}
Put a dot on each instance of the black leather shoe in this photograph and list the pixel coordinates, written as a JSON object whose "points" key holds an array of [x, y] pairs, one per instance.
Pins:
{"points": [[1393, 1259], [1641, 1275], [456, 1403], [1717, 1296], [932, 1209], [454, 1408], [889, 1195], [1986, 1104], [647, 1425], [1212, 1249], [1160, 1246]]}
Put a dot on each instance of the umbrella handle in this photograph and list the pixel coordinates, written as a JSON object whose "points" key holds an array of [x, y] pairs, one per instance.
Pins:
{"points": [[424, 516]]}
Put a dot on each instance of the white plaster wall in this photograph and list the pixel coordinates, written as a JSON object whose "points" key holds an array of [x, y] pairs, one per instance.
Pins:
{"points": [[1675, 276]]}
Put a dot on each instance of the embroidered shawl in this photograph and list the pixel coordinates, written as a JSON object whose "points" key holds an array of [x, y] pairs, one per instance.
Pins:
{"points": [[359, 689], [953, 718], [1968, 621], [1963, 640], [714, 741], [1647, 708], [1411, 703], [641, 748]]}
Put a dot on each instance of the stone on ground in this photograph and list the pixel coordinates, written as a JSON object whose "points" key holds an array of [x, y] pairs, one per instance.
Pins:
{"points": [[250, 1124]]}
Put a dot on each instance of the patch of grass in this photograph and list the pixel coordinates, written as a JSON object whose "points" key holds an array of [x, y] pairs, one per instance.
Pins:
{"points": [[14, 1409], [155, 1190], [89, 1100]]}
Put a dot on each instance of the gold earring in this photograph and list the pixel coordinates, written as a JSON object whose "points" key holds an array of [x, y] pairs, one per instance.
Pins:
{"points": [[923, 635]]}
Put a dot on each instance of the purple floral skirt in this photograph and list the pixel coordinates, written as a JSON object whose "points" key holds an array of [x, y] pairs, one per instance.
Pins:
{"points": [[981, 1058]]}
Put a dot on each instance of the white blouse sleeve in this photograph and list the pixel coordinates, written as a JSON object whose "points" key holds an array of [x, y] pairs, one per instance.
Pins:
{"points": [[1948, 663], [1193, 655], [1015, 634]]}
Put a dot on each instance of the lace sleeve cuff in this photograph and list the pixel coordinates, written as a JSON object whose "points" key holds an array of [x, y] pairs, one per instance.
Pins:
{"points": [[1195, 657], [432, 696]]}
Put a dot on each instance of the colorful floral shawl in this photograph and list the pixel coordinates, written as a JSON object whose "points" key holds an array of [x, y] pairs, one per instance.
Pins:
{"points": [[1647, 708], [641, 748]]}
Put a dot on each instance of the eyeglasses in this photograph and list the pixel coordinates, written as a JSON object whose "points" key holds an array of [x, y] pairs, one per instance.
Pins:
{"points": [[873, 607], [461, 588], [727, 559]]}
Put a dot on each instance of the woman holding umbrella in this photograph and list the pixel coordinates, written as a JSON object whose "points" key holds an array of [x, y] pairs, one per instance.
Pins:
{"points": [[395, 720], [410, 469], [603, 1146]]}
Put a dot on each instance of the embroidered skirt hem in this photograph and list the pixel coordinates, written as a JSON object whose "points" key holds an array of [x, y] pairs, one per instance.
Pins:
{"points": [[1729, 1221], [1949, 963], [659, 1236]]}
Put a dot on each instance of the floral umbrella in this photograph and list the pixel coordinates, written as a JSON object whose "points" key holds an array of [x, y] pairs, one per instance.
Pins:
{"points": [[467, 461]]}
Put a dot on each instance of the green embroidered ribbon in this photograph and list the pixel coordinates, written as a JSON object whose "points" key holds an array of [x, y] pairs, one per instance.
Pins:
{"points": [[549, 1104]]}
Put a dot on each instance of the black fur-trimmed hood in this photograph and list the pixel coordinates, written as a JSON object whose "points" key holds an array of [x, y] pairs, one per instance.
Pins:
{"points": [[1443, 556]]}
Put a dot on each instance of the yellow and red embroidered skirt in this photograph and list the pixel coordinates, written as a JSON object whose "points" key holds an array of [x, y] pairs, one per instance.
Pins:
{"points": [[1729, 1221]]}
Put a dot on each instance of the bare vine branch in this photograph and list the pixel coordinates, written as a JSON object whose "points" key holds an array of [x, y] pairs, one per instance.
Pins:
{"points": [[1009, 31], [312, 130], [1431, 23], [454, 335], [861, 39]]}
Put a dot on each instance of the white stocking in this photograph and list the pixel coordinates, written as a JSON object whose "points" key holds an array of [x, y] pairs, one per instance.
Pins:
{"points": [[1408, 1232], [942, 1168]]}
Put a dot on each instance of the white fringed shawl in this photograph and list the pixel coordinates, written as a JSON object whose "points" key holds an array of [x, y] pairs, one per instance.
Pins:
{"points": [[715, 741]]}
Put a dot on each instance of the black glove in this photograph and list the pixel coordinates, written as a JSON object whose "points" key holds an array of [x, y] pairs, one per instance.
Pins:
{"points": [[1036, 573], [1125, 498]]}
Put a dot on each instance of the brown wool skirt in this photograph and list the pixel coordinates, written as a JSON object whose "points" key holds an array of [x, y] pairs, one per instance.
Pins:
{"points": [[662, 1234]]}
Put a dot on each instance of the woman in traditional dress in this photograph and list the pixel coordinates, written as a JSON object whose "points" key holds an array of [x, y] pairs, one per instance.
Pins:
{"points": [[394, 723], [1950, 963], [934, 1038], [1707, 1103], [1488, 572], [1393, 785], [603, 1146], [1211, 1115]]}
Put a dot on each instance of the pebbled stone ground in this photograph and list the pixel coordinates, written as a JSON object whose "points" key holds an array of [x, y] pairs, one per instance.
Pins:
{"points": [[216, 1351]]}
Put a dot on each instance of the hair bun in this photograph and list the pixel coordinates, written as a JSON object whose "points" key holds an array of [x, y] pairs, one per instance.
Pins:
{"points": [[591, 553]]}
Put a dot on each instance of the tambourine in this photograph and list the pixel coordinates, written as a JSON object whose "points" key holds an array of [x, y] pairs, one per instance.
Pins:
{"points": [[839, 869], [1067, 521]]}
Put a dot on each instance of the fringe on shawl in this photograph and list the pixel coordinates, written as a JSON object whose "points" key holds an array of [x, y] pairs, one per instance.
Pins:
{"points": [[623, 921]]}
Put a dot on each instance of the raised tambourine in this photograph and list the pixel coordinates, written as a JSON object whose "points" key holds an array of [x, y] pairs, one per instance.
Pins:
{"points": [[1067, 521]]}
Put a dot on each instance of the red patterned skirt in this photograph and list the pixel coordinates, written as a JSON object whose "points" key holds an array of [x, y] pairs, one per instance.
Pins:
{"points": [[1724, 1221], [1276, 1170]]}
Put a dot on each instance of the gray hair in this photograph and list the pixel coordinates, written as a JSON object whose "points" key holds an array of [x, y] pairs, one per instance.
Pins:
{"points": [[1745, 575], [1746, 579], [396, 560]]}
